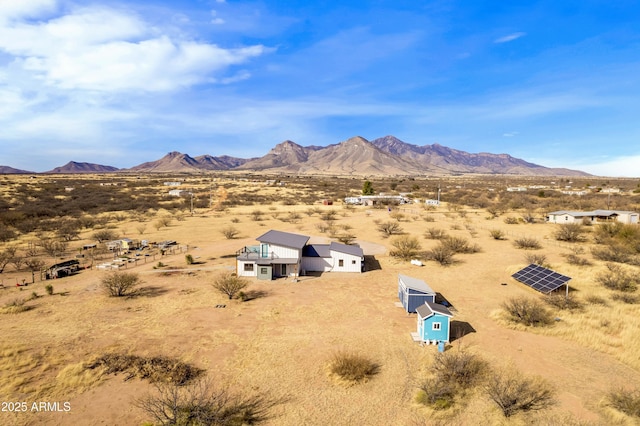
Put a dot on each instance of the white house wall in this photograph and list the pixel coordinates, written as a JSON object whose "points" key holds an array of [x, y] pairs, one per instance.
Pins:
{"points": [[243, 273], [284, 252], [316, 264], [351, 263]]}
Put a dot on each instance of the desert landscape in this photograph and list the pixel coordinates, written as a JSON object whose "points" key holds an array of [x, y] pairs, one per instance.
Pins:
{"points": [[72, 354]]}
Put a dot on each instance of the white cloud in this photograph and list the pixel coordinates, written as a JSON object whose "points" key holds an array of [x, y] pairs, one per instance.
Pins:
{"points": [[510, 37], [510, 134], [626, 166], [11, 9], [102, 49]]}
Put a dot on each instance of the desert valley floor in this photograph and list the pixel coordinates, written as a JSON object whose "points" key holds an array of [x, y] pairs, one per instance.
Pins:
{"points": [[278, 344]]}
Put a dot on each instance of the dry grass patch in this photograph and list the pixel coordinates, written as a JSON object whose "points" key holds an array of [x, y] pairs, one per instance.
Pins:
{"points": [[15, 306], [513, 392], [351, 368]]}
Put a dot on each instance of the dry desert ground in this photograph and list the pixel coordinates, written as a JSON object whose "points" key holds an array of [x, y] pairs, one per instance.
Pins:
{"points": [[279, 344]]}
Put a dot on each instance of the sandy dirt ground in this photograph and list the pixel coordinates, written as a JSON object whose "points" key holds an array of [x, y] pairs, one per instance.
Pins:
{"points": [[279, 344]]}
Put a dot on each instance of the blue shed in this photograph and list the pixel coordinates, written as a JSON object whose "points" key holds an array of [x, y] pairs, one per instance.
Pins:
{"points": [[433, 323], [414, 292]]}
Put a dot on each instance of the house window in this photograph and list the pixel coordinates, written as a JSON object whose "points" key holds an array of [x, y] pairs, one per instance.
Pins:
{"points": [[264, 271], [248, 267], [353, 262], [341, 262], [436, 326]]}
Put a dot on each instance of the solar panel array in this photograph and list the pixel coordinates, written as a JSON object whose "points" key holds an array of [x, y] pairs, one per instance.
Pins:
{"points": [[539, 278]]}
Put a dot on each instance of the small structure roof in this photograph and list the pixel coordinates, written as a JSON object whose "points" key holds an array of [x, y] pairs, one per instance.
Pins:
{"points": [[285, 239], [348, 249], [429, 308], [416, 284]]}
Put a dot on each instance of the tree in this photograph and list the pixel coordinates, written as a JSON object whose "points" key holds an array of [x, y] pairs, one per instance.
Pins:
{"points": [[53, 248], [367, 188], [229, 284], [69, 229], [120, 284]]}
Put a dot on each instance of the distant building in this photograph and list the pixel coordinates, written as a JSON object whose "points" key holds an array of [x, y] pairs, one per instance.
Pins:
{"points": [[595, 216]]}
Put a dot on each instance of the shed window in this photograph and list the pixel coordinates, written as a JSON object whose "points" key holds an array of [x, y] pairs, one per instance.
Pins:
{"points": [[341, 262], [248, 267], [353, 262], [436, 326], [264, 271]]}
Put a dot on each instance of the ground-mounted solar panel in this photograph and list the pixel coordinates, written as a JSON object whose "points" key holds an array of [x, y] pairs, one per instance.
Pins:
{"points": [[540, 278]]}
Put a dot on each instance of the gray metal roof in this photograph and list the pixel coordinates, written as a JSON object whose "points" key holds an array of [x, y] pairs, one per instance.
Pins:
{"points": [[416, 284], [285, 239], [344, 248], [429, 308]]}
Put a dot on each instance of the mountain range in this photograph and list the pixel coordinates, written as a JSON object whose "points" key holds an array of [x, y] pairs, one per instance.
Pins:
{"points": [[355, 156]]}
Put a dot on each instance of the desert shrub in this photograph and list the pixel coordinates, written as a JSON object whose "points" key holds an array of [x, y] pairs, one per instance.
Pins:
{"points": [[459, 368], [189, 259], [510, 220], [536, 258], [577, 260], [570, 232], [527, 243], [49, 289], [441, 254], [406, 247], [592, 299], [624, 400], [613, 252], [203, 403], [435, 234], [346, 238], [497, 234], [528, 217], [429, 219], [229, 284], [389, 228], [563, 302], [618, 278], [513, 392], [527, 311], [436, 394], [352, 367], [325, 228], [120, 284], [397, 216], [158, 369], [104, 235], [15, 306], [256, 215], [328, 215], [629, 299], [230, 232], [459, 245]]}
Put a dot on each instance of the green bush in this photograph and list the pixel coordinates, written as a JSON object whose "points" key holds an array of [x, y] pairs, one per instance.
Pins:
{"points": [[189, 259], [49, 289]]}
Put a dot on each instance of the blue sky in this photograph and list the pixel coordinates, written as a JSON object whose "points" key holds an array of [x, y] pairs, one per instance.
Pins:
{"points": [[555, 83]]}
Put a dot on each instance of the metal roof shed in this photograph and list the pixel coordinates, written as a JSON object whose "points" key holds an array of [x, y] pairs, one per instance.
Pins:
{"points": [[414, 292]]}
